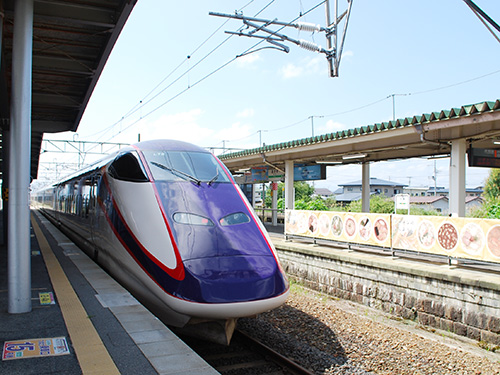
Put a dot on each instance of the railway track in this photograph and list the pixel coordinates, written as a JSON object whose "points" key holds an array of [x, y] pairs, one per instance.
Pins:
{"points": [[245, 355]]}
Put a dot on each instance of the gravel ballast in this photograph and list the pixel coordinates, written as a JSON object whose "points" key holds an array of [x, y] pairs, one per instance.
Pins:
{"points": [[330, 336]]}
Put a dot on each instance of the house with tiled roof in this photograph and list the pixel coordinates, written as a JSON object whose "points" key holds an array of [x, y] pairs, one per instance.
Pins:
{"points": [[351, 191], [439, 203], [322, 192], [469, 192]]}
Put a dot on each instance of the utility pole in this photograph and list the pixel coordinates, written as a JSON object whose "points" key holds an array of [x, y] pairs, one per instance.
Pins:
{"points": [[435, 179], [312, 123], [394, 104], [260, 136]]}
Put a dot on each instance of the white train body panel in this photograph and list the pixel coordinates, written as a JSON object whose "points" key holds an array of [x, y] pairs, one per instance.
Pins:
{"points": [[166, 219]]}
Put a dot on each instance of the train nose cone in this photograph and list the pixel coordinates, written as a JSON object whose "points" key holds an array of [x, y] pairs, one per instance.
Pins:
{"points": [[235, 278]]}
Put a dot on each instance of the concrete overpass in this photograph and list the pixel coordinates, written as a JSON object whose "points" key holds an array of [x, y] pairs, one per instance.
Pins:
{"points": [[447, 132]]}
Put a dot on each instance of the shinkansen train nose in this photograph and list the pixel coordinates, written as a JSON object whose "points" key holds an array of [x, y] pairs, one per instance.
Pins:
{"points": [[235, 278]]}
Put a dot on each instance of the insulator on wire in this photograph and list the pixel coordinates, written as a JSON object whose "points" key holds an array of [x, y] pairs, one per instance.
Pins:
{"points": [[306, 26], [310, 46]]}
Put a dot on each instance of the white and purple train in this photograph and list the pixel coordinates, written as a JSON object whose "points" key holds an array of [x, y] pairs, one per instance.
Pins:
{"points": [[166, 219]]}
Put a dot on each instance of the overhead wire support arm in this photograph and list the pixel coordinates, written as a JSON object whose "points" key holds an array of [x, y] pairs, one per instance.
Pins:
{"points": [[332, 52], [275, 37], [298, 25], [484, 18]]}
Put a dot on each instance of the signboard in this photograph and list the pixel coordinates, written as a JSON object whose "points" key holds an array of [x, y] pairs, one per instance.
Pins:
{"points": [[363, 228], [259, 174], [275, 175], [403, 202], [484, 157], [309, 172], [31, 348], [457, 237]]}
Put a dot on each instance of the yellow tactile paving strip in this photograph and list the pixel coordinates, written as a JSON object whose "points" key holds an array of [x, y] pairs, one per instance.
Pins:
{"points": [[92, 355]]}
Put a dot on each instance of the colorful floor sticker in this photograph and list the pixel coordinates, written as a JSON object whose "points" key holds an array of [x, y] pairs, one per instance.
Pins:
{"points": [[32, 348], [46, 298]]}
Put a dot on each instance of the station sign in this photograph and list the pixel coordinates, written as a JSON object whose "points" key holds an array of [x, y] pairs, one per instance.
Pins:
{"points": [[259, 175], [309, 172], [263, 174], [484, 157], [275, 175], [402, 202]]}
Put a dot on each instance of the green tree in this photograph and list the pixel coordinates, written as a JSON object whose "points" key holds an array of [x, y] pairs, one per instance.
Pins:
{"points": [[490, 209], [317, 204], [492, 186], [303, 191]]}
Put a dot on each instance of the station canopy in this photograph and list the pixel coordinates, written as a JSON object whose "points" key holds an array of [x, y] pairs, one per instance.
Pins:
{"points": [[429, 134], [72, 41]]}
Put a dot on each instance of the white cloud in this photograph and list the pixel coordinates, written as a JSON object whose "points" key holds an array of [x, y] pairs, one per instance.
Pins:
{"points": [[291, 71], [332, 126], [317, 64], [182, 126], [235, 132], [247, 112], [248, 61], [305, 67], [347, 53]]}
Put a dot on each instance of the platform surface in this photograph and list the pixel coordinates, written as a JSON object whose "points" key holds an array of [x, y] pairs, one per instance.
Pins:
{"points": [[107, 330]]}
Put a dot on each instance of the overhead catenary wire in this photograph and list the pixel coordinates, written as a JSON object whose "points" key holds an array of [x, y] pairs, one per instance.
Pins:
{"points": [[372, 104], [207, 75], [144, 102], [294, 124]]}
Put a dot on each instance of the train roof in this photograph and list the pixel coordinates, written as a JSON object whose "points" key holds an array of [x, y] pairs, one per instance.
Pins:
{"points": [[158, 144], [169, 145]]}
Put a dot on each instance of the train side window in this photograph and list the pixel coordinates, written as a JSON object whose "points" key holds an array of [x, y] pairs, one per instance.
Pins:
{"points": [[127, 167]]}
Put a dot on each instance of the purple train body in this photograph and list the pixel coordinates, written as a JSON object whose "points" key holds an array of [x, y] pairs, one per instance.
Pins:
{"points": [[166, 219]]}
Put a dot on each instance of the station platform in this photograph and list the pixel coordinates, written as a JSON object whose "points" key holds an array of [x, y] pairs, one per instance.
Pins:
{"points": [[91, 324]]}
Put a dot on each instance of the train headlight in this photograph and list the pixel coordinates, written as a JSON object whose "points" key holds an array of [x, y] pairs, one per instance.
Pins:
{"points": [[192, 219], [233, 219]]}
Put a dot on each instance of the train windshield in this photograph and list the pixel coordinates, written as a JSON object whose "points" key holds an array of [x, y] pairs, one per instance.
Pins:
{"points": [[182, 165]]}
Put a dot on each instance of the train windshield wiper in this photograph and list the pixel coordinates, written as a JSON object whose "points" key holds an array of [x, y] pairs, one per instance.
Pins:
{"points": [[214, 178], [178, 172]]}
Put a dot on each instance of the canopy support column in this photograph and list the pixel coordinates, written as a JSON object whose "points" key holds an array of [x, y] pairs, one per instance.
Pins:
{"points": [[457, 177], [289, 191], [365, 187], [274, 203], [19, 266]]}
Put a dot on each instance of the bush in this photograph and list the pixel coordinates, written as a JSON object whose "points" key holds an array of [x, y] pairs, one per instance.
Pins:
{"points": [[490, 209], [314, 205], [378, 204]]}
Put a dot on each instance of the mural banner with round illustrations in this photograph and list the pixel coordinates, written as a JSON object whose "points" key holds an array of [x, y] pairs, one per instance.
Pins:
{"points": [[464, 238], [362, 228]]}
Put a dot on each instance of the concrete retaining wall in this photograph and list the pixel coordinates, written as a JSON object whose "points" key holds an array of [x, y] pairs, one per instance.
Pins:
{"points": [[465, 302]]}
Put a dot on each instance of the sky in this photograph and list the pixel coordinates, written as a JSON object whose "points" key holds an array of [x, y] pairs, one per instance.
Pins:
{"points": [[174, 73]]}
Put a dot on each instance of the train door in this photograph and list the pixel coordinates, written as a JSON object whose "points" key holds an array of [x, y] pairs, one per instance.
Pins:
{"points": [[93, 213]]}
